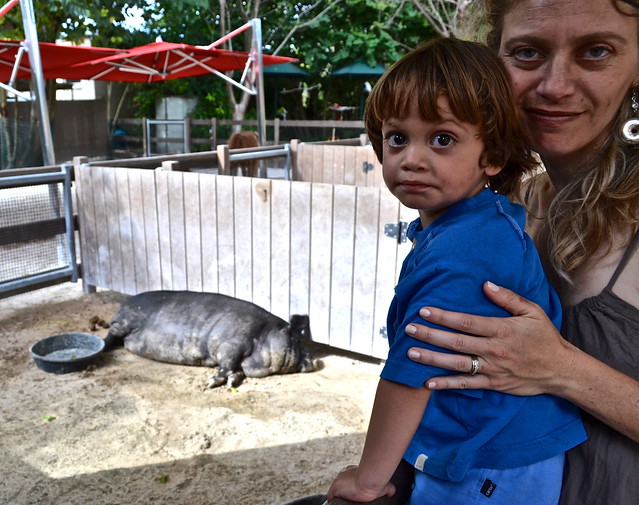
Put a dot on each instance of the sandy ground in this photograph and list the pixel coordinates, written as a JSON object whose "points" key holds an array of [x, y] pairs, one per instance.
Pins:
{"points": [[134, 431]]}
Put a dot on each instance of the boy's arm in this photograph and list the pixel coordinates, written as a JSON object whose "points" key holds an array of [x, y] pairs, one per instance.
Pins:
{"points": [[397, 412]]}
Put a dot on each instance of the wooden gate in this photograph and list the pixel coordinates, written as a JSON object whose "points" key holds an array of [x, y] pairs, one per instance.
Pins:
{"points": [[290, 247]]}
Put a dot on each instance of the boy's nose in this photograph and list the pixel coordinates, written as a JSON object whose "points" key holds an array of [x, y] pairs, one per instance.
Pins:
{"points": [[415, 157]]}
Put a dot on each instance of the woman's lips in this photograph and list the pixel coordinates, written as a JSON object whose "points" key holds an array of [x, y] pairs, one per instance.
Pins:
{"points": [[551, 118]]}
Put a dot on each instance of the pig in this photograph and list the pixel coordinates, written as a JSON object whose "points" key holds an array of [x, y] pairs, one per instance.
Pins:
{"points": [[236, 337]]}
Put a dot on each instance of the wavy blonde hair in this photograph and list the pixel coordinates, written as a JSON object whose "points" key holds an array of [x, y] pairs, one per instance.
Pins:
{"points": [[586, 214]]}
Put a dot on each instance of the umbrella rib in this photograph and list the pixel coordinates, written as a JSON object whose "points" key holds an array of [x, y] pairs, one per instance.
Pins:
{"points": [[136, 67], [216, 72]]}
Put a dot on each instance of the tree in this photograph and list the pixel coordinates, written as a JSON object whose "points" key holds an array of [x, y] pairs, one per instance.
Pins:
{"points": [[323, 34], [445, 16], [71, 20]]}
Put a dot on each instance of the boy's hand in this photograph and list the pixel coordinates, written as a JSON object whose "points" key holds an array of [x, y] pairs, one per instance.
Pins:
{"points": [[345, 486]]}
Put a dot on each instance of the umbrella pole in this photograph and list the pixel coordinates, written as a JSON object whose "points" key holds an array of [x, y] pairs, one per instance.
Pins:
{"points": [[33, 49], [256, 23]]}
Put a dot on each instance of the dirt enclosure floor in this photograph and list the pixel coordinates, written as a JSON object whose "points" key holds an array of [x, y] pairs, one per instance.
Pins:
{"points": [[133, 431]]}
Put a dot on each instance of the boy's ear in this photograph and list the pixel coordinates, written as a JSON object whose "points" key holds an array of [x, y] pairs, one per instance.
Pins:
{"points": [[489, 169], [492, 170]]}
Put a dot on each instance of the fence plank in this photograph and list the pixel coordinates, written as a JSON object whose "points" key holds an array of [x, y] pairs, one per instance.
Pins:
{"points": [[125, 229], [378, 173], [339, 168], [349, 166], [103, 277], [151, 229], [281, 249], [361, 175], [164, 227], [341, 278], [193, 232], [367, 231], [304, 163], [209, 224], [242, 202], [327, 168], [300, 257], [177, 230], [87, 222], [225, 235], [138, 236], [261, 251], [385, 274], [320, 282], [112, 225], [318, 162]]}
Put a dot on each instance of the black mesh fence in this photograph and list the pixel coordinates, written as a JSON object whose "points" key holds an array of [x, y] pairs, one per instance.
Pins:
{"points": [[19, 143], [32, 231]]}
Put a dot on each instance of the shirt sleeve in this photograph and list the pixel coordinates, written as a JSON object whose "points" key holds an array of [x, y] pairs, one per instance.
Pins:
{"points": [[447, 270]]}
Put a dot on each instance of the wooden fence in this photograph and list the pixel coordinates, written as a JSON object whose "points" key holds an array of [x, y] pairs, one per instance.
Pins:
{"points": [[292, 247]]}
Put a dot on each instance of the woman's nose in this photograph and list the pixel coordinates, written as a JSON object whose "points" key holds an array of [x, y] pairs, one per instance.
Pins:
{"points": [[557, 79]]}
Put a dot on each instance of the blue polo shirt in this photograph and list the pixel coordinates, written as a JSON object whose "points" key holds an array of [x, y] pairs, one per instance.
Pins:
{"points": [[478, 239]]}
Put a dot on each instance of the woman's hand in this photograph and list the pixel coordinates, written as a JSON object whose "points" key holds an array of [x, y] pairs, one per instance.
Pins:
{"points": [[522, 355]]}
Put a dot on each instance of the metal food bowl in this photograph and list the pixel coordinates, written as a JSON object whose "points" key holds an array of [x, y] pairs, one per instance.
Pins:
{"points": [[68, 352]]}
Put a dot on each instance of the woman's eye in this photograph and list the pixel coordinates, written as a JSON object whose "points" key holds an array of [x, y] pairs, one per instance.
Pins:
{"points": [[526, 54], [396, 140], [442, 140], [597, 52]]}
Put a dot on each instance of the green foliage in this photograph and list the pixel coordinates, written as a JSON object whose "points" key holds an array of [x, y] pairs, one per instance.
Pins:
{"points": [[72, 20], [324, 35]]}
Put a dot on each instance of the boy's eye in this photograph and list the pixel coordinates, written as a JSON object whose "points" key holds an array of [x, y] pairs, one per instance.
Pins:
{"points": [[396, 140], [442, 140]]}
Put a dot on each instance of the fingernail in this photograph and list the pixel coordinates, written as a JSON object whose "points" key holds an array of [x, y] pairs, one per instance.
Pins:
{"points": [[424, 313], [413, 354], [492, 287], [410, 329], [431, 385]]}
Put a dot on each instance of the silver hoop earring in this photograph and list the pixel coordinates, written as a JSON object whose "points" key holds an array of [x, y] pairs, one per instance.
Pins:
{"points": [[630, 129]]}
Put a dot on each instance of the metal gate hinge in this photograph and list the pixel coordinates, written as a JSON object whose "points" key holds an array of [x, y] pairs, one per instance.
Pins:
{"points": [[396, 231]]}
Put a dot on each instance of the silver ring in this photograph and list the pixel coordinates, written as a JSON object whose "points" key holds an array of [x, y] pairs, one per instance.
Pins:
{"points": [[474, 365]]}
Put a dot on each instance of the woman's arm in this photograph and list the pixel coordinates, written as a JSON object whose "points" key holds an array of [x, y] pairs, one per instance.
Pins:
{"points": [[525, 355], [397, 412]]}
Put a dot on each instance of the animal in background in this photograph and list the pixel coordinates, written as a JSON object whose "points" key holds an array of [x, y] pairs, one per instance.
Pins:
{"points": [[243, 140], [236, 337]]}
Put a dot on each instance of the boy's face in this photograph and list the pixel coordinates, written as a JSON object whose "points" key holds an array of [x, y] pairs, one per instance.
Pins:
{"points": [[431, 165]]}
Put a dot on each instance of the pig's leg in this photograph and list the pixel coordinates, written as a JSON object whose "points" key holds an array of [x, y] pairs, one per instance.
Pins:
{"points": [[229, 357]]}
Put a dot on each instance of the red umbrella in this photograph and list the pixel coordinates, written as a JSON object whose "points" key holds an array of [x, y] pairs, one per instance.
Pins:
{"points": [[55, 58], [160, 61]]}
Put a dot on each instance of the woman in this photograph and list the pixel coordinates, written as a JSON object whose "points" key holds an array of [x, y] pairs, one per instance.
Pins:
{"points": [[574, 66]]}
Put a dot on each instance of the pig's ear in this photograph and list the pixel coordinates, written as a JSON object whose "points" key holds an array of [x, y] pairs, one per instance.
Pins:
{"points": [[300, 326]]}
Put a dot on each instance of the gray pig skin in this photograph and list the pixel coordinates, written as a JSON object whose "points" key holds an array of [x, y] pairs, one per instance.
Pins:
{"points": [[209, 329]]}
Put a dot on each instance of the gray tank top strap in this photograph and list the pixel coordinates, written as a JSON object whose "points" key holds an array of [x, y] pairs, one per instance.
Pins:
{"points": [[624, 260]]}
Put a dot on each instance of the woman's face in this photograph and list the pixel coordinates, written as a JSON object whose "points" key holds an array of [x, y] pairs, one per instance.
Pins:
{"points": [[572, 63]]}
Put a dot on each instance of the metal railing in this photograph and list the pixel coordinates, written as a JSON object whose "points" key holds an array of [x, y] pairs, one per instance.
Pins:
{"points": [[43, 218]]}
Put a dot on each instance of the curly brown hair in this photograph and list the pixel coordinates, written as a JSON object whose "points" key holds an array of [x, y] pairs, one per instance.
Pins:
{"points": [[475, 83]]}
